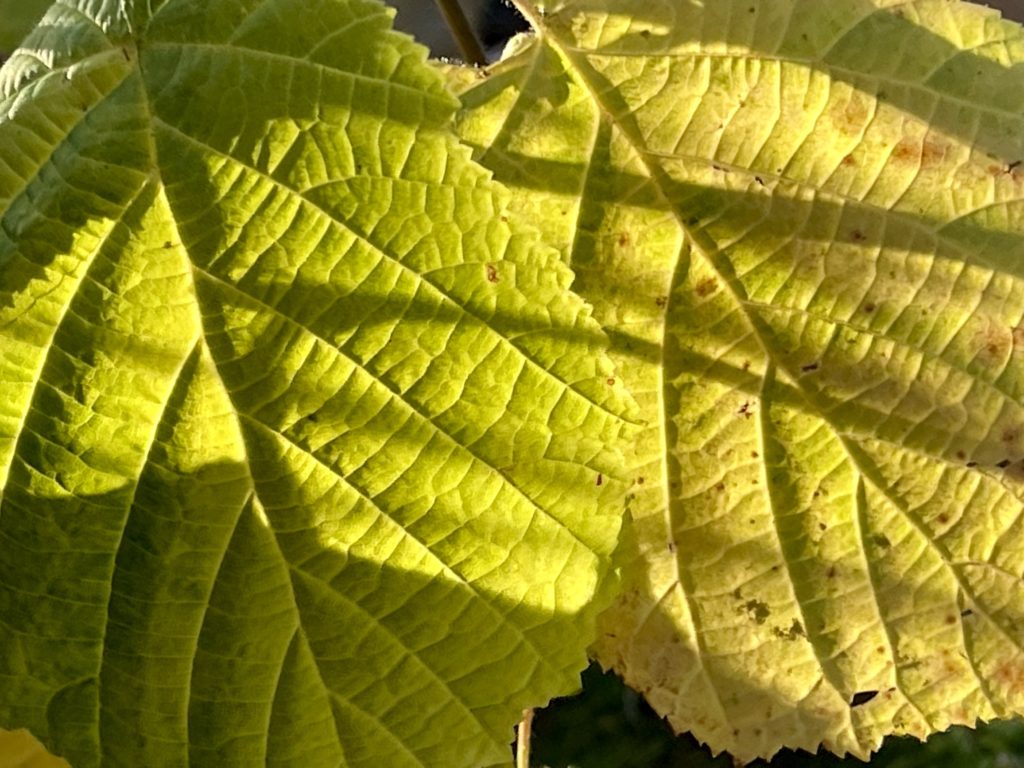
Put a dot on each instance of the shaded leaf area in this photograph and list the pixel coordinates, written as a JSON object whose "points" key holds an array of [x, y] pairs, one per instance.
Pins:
{"points": [[307, 450], [608, 725], [806, 244]]}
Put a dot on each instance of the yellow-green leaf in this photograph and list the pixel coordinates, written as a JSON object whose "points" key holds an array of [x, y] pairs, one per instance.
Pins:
{"points": [[801, 222], [307, 451]]}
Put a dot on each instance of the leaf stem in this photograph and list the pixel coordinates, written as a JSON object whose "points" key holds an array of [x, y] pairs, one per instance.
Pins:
{"points": [[523, 740], [461, 30]]}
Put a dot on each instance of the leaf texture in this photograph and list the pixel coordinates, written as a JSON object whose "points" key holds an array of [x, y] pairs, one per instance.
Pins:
{"points": [[307, 452], [801, 224]]}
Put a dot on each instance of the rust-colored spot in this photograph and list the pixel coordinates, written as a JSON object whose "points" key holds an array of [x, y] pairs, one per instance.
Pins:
{"points": [[849, 160], [880, 649], [971, 464], [1010, 675], [720, 487], [852, 116], [746, 365], [623, 239], [1003, 464], [706, 287], [951, 619], [869, 307], [857, 236], [492, 273], [928, 154], [661, 301], [961, 455], [832, 572], [809, 367], [1010, 436], [822, 527], [942, 519], [168, 244], [600, 479], [754, 454], [610, 381], [640, 481]]}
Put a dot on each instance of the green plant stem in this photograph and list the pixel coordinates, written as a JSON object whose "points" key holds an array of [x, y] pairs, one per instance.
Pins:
{"points": [[523, 740], [461, 30]]}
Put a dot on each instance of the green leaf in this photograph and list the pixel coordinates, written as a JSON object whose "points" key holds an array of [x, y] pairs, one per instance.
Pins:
{"points": [[801, 224], [307, 452]]}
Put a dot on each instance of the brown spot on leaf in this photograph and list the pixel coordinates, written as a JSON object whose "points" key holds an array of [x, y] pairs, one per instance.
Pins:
{"points": [[943, 519], [951, 619], [640, 481], [706, 287], [961, 455], [795, 630], [610, 381], [720, 487], [851, 117], [757, 610], [623, 239], [869, 307], [492, 273], [661, 301], [809, 367], [600, 479]]}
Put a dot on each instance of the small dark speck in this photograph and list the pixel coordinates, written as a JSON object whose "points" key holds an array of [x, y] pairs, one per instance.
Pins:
{"points": [[759, 180], [1003, 464], [600, 479], [168, 244], [961, 455], [754, 454], [640, 481], [645, 33], [672, 547], [124, 52], [1011, 166], [809, 368], [661, 301], [313, 417], [862, 697], [966, 612], [822, 526], [492, 274], [971, 464], [869, 307]]}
